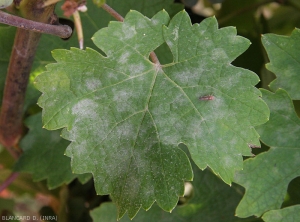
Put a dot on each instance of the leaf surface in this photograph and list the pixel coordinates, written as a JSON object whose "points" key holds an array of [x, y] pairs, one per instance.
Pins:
{"points": [[43, 155], [283, 52], [126, 116], [266, 177]]}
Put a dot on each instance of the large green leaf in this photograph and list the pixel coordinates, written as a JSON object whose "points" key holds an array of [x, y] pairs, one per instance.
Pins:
{"points": [[266, 177], [283, 52], [43, 155], [125, 115]]}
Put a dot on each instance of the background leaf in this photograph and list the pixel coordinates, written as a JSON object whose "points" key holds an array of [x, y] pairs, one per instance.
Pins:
{"points": [[283, 52], [289, 214], [266, 176], [43, 155]]}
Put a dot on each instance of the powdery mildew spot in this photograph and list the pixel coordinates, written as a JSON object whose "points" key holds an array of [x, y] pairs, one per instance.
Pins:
{"points": [[85, 108], [140, 24], [169, 43], [219, 54], [93, 84], [175, 33], [136, 69], [124, 58], [129, 31]]}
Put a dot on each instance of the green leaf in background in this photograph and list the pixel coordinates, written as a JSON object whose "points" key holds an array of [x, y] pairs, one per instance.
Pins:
{"points": [[6, 204], [126, 116], [283, 52], [289, 214], [266, 177], [211, 200], [43, 155], [240, 14]]}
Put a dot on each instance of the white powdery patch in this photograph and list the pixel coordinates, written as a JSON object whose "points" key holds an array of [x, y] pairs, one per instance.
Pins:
{"points": [[129, 31], [236, 40], [169, 43], [206, 44], [141, 24], [124, 58], [93, 84], [228, 161], [155, 21], [219, 105], [180, 77], [85, 109], [175, 33], [136, 69], [121, 95], [219, 54], [117, 34], [112, 76], [196, 128]]}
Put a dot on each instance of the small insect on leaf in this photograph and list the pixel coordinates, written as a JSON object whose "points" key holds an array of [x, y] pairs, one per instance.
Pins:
{"points": [[209, 97]]}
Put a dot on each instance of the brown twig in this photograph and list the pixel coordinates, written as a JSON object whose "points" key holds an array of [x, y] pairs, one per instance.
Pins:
{"points": [[112, 12], [20, 64], [8, 181], [63, 31], [25, 44]]}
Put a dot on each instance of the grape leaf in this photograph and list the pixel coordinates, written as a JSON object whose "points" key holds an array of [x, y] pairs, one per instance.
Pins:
{"points": [[266, 176], [288, 214], [211, 200], [125, 115], [283, 52], [43, 155]]}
